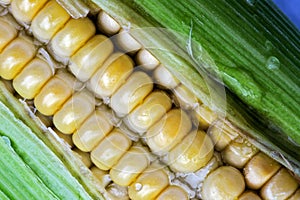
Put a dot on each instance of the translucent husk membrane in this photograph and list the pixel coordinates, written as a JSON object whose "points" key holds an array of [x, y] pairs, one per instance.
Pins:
{"points": [[248, 46]]}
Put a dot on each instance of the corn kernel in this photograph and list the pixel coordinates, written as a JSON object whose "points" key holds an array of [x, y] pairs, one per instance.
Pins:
{"points": [[295, 196], [173, 192], [107, 24], [192, 153], [56, 91], [15, 56], [280, 186], [185, 98], [84, 157], [111, 75], [101, 175], [249, 195], [204, 116], [90, 57], [239, 152], [109, 151], [164, 78], [221, 134], [146, 60], [32, 78], [48, 21], [7, 34], [225, 183], [74, 112], [92, 131], [259, 170], [25, 10], [71, 37], [149, 184], [132, 93], [149, 112], [126, 42], [168, 132], [133, 163]]}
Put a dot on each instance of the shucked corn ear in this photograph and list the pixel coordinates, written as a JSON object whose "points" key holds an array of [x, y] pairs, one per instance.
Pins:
{"points": [[129, 95]]}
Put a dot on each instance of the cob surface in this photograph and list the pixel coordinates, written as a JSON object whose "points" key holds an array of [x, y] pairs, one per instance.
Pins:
{"points": [[118, 142]]}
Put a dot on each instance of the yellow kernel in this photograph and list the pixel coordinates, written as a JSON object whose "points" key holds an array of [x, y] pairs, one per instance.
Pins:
{"points": [[132, 93], [259, 170], [146, 60], [48, 21], [149, 112], [25, 10], [205, 116], [108, 152], [15, 56], [56, 91], [149, 184], [173, 192], [90, 57], [71, 37], [225, 183], [221, 134], [185, 98], [32, 78], [113, 73], [84, 157], [7, 34], [280, 186], [192, 153], [133, 163], [107, 24], [295, 196], [74, 112], [168, 132], [239, 152], [249, 195], [164, 78], [92, 131]]}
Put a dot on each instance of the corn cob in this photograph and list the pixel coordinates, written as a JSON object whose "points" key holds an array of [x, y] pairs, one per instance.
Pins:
{"points": [[64, 108]]}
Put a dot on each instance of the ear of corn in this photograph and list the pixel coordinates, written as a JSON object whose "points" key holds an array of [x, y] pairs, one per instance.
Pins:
{"points": [[260, 70], [122, 152]]}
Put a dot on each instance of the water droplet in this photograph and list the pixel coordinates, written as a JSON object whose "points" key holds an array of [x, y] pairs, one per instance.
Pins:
{"points": [[138, 186], [273, 63], [251, 2], [268, 45]]}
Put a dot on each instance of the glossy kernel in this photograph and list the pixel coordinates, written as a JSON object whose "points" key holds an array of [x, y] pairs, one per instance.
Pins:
{"points": [[25, 10], [71, 37], [133, 163], [132, 93], [185, 98], [7, 34], [192, 153], [173, 192], [93, 130], [164, 78], [249, 195], [280, 186], [149, 184], [32, 78], [225, 183], [56, 91], [48, 21], [113, 73], [108, 152], [168, 132], [15, 56], [74, 112], [259, 170], [150, 111], [90, 57]]}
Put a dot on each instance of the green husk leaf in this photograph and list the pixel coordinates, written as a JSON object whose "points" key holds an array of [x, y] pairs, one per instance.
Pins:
{"points": [[49, 158], [248, 46]]}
